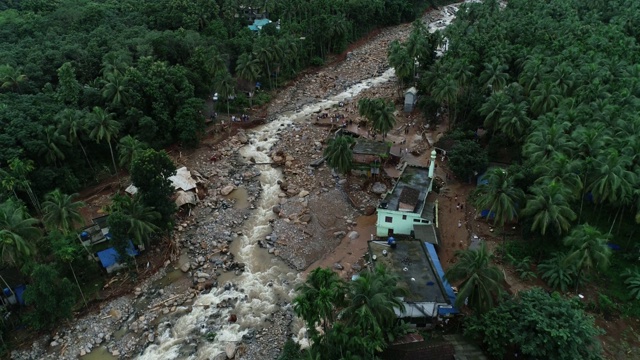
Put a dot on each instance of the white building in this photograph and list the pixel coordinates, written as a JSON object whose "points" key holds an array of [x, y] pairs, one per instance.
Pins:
{"points": [[405, 206]]}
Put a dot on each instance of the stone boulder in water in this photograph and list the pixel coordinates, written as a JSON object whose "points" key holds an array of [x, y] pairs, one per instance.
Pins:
{"points": [[227, 190]]}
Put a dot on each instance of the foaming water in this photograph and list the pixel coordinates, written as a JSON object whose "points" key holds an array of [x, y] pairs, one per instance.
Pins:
{"points": [[267, 282]]}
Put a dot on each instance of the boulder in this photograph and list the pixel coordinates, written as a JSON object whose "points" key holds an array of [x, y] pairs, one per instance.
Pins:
{"points": [[369, 210], [306, 218], [338, 266], [303, 193], [379, 188], [203, 275], [353, 235], [276, 209], [185, 267], [242, 138], [227, 190], [230, 350], [339, 234]]}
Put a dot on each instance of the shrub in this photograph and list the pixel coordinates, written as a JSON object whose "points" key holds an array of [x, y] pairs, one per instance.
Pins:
{"points": [[51, 296], [557, 273], [632, 280]]}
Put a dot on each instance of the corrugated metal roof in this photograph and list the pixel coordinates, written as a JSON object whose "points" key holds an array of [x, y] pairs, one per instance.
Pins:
{"points": [[426, 233]]}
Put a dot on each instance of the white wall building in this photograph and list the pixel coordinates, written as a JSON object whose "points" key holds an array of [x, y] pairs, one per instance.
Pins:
{"points": [[405, 206]]}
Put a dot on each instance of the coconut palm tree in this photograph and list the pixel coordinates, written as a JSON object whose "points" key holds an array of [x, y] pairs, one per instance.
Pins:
{"points": [[494, 76], [500, 196], [544, 98], [563, 78], [445, 90], [589, 249], [614, 181], [115, 88], [18, 230], [11, 78], [116, 62], [339, 154], [217, 64], [381, 116], [319, 298], [61, 212], [514, 121], [546, 141], [127, 148], [265, 55], [72, 124], [248, 68], [53, 141], [548, 206], [561, 169], [493, 108], [532, 73], [400, 60], [224, 87], [17, 178], [373, 299], [104, 127], [480, 281], [67, 250], [141, 218]]}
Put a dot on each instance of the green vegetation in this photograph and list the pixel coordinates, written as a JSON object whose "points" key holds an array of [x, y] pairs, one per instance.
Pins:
{"points": [[339, 154], [537, 325], [560, 102], [481, 282], [50, 296], [357, 318], [379, 113]]}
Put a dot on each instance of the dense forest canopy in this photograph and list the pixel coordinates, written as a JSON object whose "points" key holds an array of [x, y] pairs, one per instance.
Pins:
{"points": [[558, 83], [80, 75]]}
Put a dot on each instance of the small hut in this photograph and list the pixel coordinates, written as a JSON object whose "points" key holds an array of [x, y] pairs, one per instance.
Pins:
{"points": [[410, 99]]}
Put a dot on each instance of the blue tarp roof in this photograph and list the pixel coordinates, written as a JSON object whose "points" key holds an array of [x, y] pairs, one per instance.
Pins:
{"points": [[19, 290], [447, 287], [110, 256], [486, 214], [258, 24]]}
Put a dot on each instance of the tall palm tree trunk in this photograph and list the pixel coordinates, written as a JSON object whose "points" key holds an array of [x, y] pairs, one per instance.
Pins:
{"points": [[78, 284], [269, 75], [113, 159], [614, 221], [85, 156], [34, 199]]}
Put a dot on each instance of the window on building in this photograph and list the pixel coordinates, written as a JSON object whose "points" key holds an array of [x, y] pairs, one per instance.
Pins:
{"points": [[404, 217], [425, 221], [388, 219], [416, 220]]}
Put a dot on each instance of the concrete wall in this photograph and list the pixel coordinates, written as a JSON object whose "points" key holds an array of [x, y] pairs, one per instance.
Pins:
{"points": [[398, 224]]}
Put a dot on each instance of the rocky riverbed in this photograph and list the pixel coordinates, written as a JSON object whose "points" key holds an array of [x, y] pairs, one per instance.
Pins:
{"points": [[207, 283]]}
